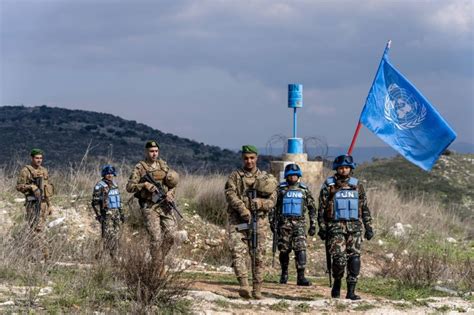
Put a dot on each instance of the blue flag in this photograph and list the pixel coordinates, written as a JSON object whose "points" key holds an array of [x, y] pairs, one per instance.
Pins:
{"points": [[402, 117]]}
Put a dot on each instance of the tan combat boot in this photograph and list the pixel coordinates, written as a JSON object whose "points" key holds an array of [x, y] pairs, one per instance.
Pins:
{"points": [[257, 291], [244, 290]]}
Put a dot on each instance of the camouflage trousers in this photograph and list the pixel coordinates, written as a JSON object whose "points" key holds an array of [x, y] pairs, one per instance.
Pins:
{"points": [[345, 240], [291, 235], [37, 224], [241, 253], [110, 225], [161, 227]]}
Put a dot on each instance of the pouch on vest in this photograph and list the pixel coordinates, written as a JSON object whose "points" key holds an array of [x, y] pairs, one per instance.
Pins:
{"points": [[292, 203], [114, 198], [48, 190], [346, 205]]}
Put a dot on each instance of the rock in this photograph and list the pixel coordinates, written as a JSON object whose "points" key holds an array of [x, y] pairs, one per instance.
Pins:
{"points": [[405, 252], [380, 242], [182, 236], [18, 200], [45, 291], [56, 222], [225, 269], [398, 230], [445, 290], [451, 240], [7, 303], [390, 256], [213, 242]]}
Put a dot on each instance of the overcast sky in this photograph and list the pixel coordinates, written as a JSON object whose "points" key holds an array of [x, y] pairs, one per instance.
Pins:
{"points": [[217, 71]]}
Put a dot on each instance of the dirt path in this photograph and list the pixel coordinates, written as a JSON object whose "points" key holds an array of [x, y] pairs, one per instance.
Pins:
{"points": [[217, 296]]}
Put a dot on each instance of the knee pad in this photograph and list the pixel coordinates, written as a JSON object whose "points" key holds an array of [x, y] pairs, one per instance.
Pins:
{"points": [[353, 267]]}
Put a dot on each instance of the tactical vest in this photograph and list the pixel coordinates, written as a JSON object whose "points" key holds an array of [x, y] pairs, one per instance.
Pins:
{"points": [[113, 195], [47, 188], [292, 202], [158, 172], [345, 200]]}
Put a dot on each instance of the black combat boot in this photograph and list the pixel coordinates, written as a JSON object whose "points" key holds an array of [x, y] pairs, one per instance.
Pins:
{"points": [[300, 257], [284, 261], [351, 291], [353, 269], [336, 289]]}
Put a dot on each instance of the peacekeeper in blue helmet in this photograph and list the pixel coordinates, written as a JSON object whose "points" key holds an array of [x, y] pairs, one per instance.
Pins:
{"points": [[342, 212], [289, 222], [108, 209]]}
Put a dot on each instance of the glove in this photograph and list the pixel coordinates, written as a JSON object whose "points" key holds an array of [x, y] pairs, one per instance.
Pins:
{"points": [[369, 233], [312, 230], [258, 203], [246, 215], [148, 186], [98, 218], [36, 191], [322, 234]]}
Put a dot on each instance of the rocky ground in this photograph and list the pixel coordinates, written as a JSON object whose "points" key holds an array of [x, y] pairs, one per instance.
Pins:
{"points": [[213, 288]]}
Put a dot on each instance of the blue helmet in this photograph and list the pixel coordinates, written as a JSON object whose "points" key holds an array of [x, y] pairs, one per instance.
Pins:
{"points": [[343, 160], [108, 169], [293, 169]]}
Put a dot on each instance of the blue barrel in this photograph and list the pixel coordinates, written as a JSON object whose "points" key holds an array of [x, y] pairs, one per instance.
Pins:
{"points": [[295, 145], [295, 95]]}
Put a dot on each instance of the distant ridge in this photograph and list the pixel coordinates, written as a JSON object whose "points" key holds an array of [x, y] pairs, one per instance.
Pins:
{"points": [[65, 135]]}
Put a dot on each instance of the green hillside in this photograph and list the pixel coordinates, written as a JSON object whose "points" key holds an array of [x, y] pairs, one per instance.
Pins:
{"points": [[66, 134], [451, 181]]}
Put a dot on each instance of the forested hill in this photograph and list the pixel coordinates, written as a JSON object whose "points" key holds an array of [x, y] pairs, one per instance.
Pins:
{"points": [[66, 134]]}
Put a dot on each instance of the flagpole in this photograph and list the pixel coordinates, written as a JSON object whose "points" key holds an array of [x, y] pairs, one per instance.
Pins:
{"points": [[359, 124]]}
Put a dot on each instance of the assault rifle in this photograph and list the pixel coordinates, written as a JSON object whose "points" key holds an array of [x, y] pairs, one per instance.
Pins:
{"points": [[328, 259], [39, 183], [275, 235], [159, 195], [251, 228]]}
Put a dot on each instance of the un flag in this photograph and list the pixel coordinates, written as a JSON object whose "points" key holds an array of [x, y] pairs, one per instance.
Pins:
{"points": [[402, 117]]}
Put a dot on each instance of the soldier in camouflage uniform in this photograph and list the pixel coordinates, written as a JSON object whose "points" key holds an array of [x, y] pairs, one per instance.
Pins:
{"points": [[33, 182], [342, 212], [108, 209], [294, 201], [158, 217], [239, 205]]}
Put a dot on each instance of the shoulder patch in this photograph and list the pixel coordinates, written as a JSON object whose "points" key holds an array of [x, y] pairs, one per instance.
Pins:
{"points": [[353, 181], [283, 184], [303, 185], [330, 181]]}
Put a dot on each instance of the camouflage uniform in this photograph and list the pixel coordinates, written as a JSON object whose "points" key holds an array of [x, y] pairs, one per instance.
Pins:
{"points": [[27, 184], [110, 216], [344, 237], [238, 183], [291, 230], [158, 218]]}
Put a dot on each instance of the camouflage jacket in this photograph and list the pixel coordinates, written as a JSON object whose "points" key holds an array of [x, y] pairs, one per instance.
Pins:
{"points": [[309, 205], [237, 184], [326, 196], [26, 181], [157, 170]]}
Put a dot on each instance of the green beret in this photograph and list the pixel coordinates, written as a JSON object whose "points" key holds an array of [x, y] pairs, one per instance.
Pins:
{"points": [[151, 144], [36, 152], [249, 149]]}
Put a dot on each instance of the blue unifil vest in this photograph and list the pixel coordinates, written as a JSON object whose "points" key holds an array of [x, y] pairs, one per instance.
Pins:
{"points": [[292, 203], [346, 201], [114, 195]]}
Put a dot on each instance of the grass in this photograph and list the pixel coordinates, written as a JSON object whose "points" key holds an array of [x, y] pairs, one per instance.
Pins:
{"points": [[395, 290], [364, 307], [281, 306], [303, 308]]}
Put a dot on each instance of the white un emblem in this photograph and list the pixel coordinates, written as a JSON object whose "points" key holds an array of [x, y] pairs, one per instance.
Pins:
{"points": [[402, 109]]}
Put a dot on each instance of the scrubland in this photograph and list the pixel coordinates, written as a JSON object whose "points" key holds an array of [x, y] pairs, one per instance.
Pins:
{"points": [[422, 250]]}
